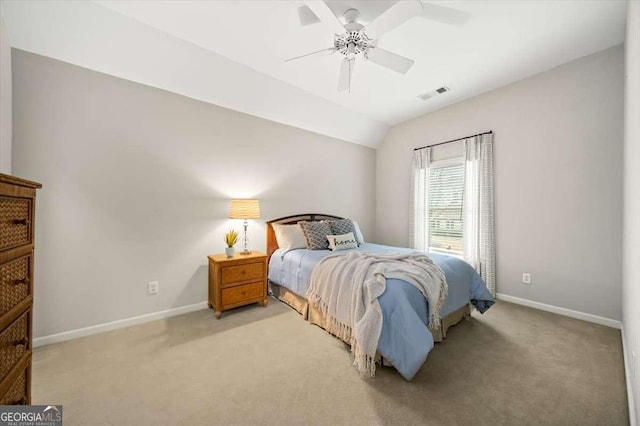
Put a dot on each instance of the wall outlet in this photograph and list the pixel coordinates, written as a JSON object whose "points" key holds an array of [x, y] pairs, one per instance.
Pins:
{"points": [[152, 287], [526, 278]]}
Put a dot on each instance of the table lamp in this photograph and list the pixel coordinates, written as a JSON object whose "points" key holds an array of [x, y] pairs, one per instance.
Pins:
{"points": [[244, 209]]}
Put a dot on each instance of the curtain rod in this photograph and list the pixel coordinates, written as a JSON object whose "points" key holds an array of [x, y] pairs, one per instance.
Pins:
{"points": [[454, 140]]}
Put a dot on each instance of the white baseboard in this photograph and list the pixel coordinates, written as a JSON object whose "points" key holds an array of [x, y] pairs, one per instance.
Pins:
{"points": [[627, 375], [561, 311], [101, 328]]}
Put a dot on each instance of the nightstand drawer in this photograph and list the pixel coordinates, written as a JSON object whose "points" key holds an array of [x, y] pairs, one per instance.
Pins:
{"points": [[17, 393], [233, 295], [244, 272], [14, 343], [14, 283], [15, 222]]}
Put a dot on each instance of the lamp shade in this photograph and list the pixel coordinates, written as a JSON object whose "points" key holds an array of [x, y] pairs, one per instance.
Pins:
{"points": [[244, 209]]}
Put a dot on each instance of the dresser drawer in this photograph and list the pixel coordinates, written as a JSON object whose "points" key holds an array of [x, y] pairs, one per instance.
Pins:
{"points": [[15, 222], [233, 295], [14, 283], [17, 393], [14, 343], [244, 272]]}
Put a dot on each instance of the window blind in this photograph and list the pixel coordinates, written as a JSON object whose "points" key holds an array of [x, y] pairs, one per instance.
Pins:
{"points": [[446, 185]]}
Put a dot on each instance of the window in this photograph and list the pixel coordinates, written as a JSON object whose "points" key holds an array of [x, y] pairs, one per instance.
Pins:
{"points": [[446, 183], [437, 220]]}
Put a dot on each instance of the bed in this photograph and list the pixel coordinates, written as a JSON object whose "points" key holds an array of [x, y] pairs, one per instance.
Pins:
{"points": [[405, 340]]}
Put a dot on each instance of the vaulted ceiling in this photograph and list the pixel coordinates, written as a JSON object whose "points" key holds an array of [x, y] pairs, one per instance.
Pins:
{"points": [[232, 53]]}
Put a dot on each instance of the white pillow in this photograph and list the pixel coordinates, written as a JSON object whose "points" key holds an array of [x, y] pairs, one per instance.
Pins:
{"points": [[289, 237], [359, 236], [342, 242]]}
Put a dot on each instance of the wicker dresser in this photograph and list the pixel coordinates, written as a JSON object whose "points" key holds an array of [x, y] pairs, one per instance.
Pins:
{"points": [[17, 213]]}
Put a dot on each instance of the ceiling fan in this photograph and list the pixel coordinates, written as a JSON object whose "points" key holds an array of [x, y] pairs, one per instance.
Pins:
{"points": [[354, 40]]}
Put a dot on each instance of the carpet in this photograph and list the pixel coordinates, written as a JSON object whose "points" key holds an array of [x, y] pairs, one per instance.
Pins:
{"points": [[513, 365]]}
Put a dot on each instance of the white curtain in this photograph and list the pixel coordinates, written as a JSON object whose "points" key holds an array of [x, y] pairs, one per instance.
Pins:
{"points": [[419, 208], [479, 236]]}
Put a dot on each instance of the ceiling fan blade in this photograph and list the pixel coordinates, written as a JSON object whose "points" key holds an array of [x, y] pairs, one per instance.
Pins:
{"points": [[397, 14], [330, 49], [390, 60], [306, 16], [322, 12], [346, 71], [444, 14]]}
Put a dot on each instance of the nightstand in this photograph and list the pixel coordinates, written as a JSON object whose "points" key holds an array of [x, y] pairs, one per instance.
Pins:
{"points": [[237, 281]]}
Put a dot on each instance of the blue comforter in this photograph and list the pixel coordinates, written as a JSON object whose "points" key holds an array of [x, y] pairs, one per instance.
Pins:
{"points": [[405, 340]]}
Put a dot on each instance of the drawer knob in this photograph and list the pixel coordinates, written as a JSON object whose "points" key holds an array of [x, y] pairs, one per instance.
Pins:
{"points": [[21, 342], [24, 221], [24, 280], [243, 292], [243, 272]]}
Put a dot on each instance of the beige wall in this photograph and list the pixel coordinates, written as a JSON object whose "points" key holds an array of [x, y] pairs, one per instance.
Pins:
{"points": [[631, 242], [137, 182], [558, 180], [5, 100]]}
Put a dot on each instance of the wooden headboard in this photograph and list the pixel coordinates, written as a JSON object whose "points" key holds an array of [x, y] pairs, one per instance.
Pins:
{"points": [[272, 244]]}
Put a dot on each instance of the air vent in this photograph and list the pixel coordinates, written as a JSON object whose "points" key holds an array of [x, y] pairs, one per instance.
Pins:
{"points": [[431, 94]]}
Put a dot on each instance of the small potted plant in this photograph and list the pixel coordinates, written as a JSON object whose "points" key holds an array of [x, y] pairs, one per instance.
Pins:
{"points": [[230, 238]]}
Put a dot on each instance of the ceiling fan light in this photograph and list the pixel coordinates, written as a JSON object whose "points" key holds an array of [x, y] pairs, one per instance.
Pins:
{"points": [[352, 43]]}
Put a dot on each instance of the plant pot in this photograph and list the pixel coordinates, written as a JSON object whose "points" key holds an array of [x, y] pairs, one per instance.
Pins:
{"points": [[230, 251]]}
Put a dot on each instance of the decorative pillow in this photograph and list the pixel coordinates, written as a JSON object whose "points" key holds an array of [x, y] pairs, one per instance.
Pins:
{"points": [[342, 226], [289, 237], [315, 234], [358, 233], [342, 242]]}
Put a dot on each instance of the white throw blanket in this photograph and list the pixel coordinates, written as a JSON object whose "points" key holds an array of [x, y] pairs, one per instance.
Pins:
{"points": [[346, 287]]}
